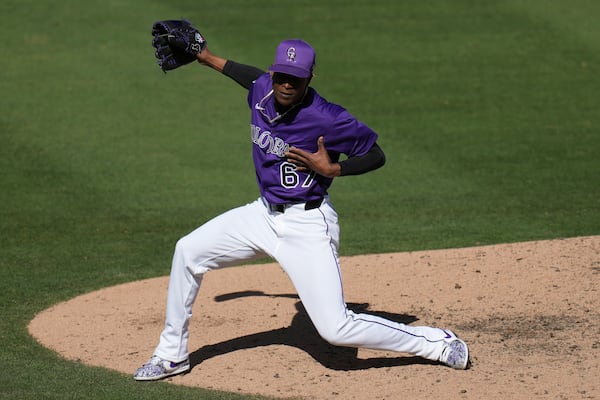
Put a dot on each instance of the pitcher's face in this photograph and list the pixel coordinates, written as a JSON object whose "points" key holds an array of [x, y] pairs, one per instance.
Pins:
{"points": [[288, 89]]}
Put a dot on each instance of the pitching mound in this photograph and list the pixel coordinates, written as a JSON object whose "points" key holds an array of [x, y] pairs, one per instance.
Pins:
{"points": [[529, 311]]}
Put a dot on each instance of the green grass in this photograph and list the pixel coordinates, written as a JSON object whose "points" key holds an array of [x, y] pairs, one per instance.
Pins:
{"points": [[488, 113]]}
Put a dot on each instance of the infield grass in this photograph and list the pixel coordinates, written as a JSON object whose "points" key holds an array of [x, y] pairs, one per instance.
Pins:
{"points": [[488, 113]]}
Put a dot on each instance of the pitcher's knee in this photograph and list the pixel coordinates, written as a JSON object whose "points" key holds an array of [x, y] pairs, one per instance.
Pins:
{"points": [[183, 245], [335, 334], [183, 257]]}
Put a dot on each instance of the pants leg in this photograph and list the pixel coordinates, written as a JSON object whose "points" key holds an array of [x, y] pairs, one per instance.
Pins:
{"points": [[317, 279], [235, 236]]}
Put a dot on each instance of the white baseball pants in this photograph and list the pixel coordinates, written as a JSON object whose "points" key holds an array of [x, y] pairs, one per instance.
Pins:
{"points": [[305, 244]]}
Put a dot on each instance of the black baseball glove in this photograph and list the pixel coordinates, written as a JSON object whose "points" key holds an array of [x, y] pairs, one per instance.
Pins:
{"points": [[177, 43]]}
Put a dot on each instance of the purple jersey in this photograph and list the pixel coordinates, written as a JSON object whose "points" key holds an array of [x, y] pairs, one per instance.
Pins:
{"points": [[272, 135]]}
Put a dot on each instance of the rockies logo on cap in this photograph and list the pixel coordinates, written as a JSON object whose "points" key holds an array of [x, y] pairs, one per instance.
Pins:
{"points": [[291, 53]]}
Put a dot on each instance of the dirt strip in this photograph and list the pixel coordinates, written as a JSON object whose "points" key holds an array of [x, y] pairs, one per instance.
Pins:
{"points": [[529, 311]]}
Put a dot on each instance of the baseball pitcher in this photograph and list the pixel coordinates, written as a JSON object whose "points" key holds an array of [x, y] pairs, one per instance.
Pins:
{"points": [[299, 142]]}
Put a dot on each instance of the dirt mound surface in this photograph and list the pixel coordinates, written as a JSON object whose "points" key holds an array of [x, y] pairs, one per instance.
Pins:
{"points": [[530, 313]]}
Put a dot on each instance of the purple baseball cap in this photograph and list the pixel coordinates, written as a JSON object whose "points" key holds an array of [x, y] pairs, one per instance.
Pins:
{"points": [[294, 57]]}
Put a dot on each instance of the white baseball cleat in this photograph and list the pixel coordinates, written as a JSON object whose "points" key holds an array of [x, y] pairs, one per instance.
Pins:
{"points": [[157, 368], [455, 353]]}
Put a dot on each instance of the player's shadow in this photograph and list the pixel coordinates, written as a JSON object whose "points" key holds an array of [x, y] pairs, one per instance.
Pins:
{"points": [[302, 334]]}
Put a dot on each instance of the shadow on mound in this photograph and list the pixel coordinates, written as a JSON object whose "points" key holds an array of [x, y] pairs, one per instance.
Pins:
{"points": [[302, 334]]}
